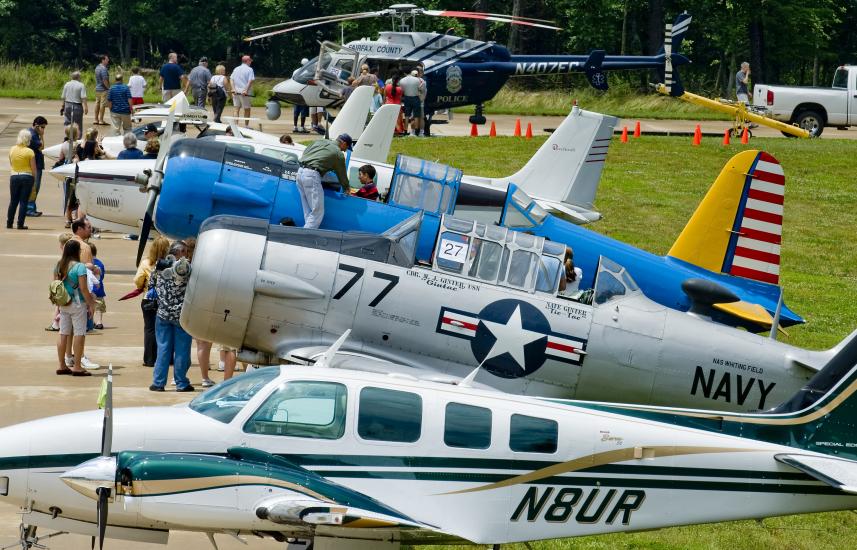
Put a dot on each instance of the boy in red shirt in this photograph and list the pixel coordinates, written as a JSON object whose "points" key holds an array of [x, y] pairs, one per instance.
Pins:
{"points": [[366, 174]]}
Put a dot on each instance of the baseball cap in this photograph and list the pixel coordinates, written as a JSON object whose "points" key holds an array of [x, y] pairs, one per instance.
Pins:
{"points": [[203, 59], [151, 127], [346, 139]]}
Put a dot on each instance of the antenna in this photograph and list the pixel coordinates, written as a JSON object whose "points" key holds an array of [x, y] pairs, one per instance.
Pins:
{"points": [[327, 358], [467, 381]]}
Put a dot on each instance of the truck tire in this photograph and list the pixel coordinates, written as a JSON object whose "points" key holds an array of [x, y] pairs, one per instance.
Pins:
{"points": [[810, 121]]}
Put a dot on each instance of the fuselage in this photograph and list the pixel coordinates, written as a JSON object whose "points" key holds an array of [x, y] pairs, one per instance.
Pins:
{"points": [[477, 465], [614, 345]]}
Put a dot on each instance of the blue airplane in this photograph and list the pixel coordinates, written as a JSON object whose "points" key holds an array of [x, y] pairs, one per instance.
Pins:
{"points": [[724, 265]]}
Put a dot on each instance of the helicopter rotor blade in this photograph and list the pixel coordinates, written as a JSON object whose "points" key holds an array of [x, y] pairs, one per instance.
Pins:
{"points": [[512, 20], [310, 20], [339, 19], [453, 13]]}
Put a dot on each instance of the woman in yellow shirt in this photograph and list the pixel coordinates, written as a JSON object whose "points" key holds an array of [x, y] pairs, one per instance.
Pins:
{"points": [[23, 164]]}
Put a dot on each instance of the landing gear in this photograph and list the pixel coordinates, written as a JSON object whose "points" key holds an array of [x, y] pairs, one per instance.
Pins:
{"points": [[28, 539], [478, 117]]}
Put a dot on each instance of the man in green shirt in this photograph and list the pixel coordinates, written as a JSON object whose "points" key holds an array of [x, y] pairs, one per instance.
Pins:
{"points": [[321, 157]]}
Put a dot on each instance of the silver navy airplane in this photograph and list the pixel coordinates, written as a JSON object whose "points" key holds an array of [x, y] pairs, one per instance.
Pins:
{"points": [[490, 297]]}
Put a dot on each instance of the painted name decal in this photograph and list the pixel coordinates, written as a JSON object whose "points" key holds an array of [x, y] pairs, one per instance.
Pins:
{"points": [[591, 509], [725, 389], [547, 67]]}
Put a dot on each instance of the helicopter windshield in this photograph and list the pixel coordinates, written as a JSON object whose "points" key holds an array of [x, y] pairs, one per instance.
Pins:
{"points": [[612, 281], [307, 72], [225, 400]]}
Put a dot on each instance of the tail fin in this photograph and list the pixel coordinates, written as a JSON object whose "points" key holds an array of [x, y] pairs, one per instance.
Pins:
{"points": [[567, 167], [737, 228], [374, 143], [352, 116], [673, 37]]}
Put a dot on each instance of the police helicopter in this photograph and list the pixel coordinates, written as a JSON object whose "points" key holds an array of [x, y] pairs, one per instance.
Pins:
{"points": [[343, 459], [457, 71]]}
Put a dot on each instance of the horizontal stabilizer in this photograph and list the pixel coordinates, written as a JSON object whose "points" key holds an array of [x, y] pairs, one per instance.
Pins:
{"points": [[751, 313], [836, 472]]}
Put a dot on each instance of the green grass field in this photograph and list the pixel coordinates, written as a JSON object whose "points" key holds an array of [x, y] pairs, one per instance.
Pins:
{"points": [[649, 189]]}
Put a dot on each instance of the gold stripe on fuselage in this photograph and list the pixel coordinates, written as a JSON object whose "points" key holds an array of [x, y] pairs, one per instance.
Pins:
{"points": [[185, 485]]}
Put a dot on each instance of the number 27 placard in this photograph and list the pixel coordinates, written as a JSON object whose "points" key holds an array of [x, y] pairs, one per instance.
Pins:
{"points": [[453, 251]]}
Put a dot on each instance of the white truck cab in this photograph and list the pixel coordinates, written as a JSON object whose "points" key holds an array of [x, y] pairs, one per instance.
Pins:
{"points": [[813, 108]]}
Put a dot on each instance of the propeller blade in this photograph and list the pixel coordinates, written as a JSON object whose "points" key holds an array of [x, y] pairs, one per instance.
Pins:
{"points": [[147, 225], [103, 496], [452, 13], [107, 426], [308, 25], [310, 20], [484, 16]]}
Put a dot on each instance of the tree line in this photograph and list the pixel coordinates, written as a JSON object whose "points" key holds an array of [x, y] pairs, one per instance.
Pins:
{"points": [[786, 41]]}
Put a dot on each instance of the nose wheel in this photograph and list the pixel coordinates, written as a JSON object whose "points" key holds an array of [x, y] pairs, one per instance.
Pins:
{"points": [[477, 117]]}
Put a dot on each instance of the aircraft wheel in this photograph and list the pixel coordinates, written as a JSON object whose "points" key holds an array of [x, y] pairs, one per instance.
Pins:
{"points": [[811, 121], [478, 119]]}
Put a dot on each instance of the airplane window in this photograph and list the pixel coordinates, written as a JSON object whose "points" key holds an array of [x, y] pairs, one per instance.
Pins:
{"points": [[525, 240], [486, 260], [278, 154], [607, 286], [305, 73], [528, 434], [389, 415], [548, 275], [520, 267], [467, 426], [452, 251], [515, 218], [223, 401], [302, 409], [242, 147], [431, 198]]}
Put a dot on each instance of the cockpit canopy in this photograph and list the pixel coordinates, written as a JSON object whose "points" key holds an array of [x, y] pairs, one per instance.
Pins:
{"points": [[613, 282], [497, 255]]}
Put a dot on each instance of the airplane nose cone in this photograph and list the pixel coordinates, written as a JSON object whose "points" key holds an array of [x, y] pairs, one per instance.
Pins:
{"points": [[64, 171], [93, 474], [14, 463], [291, 91]]}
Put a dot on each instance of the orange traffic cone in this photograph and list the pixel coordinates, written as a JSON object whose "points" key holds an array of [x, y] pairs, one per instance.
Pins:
{"points": [[474, 132], [624, 134], [637, 130], [493, 131], [745, 137], [517, 127], [697, 136], [726, 137], [529, 134]]}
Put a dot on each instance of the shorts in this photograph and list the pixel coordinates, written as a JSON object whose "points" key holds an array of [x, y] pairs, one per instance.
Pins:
{"points": [[100, 305], [315, 110], [412, 106], [743, 98], [167, 95], [227, 349], [136, 101], [241, 101], [73, 319]]}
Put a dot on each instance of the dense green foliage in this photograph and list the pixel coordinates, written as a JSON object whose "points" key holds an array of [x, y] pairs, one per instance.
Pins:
{"points": [[787, 41]]}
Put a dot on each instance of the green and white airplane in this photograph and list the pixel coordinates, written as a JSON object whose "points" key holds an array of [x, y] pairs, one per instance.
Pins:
{"points": [[357, 460]]}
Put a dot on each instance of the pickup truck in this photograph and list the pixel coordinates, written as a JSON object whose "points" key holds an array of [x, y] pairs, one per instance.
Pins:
{"points": [[813, 108]]}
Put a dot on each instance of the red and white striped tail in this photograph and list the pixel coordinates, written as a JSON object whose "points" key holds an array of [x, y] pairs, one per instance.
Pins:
{"points": [[757, 250]]}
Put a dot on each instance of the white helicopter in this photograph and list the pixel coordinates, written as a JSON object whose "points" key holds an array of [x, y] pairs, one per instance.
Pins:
{"points": [[351, 460]]}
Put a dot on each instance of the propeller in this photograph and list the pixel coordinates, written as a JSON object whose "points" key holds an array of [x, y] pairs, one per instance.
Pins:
{"points": [[400, 12], [104, 493], [151, 181]]}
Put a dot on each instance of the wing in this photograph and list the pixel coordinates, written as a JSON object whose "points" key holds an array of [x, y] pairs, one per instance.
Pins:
{"points": [[836, 472]]}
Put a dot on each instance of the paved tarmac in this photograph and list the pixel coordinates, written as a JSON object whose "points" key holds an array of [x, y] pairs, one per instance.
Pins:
{"points": [[28, 353]]}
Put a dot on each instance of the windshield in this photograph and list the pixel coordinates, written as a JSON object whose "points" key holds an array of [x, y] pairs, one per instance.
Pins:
{"points": [[223, 401], [307, 72], [612, 280]]}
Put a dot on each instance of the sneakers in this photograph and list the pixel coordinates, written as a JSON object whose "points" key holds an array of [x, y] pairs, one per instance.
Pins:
{"points": [[88, 365], [186, 389], [207, 383], [220, 366], [130, 237], [156, 388], [69, 361]]}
